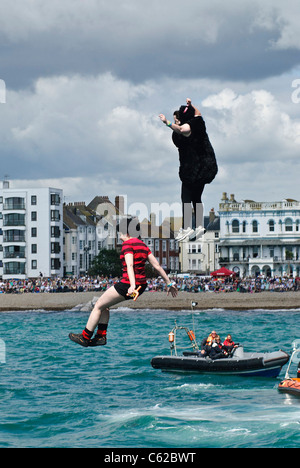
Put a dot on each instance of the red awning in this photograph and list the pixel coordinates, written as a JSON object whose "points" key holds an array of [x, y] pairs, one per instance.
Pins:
{"points": [[223, 272]]}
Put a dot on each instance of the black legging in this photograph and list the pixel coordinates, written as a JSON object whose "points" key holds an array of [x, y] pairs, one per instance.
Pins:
{"points": [[192, 196]]}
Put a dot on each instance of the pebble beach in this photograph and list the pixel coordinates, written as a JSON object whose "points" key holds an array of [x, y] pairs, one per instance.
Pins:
{"points": [[156, 300]]}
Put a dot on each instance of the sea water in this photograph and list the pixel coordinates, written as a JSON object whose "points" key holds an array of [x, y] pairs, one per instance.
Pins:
{"points": [[54, 393]]}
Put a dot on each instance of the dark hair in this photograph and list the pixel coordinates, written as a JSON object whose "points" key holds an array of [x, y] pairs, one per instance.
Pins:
{"points": [[130, 226], [186, 113]]}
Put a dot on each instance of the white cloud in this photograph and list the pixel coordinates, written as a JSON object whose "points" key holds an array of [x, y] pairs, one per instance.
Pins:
{"points": [[101, 136], [87, 80]]}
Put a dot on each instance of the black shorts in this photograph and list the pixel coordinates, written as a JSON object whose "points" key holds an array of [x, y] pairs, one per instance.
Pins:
{"points": [[122, 289]]}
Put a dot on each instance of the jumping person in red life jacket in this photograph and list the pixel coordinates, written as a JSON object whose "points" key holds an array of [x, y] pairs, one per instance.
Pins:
{"points": [[134, 255]]}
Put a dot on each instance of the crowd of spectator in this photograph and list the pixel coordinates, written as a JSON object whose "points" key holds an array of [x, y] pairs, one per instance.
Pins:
{"points": [[189, 284]]}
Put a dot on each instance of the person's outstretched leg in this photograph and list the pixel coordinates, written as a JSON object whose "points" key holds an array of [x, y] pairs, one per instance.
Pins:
{"points": [[100, 337], [99, 314]]}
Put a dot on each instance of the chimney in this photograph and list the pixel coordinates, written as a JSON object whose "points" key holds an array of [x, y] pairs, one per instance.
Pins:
{"points": [[224, 197], [153, 219], [119, 204], [212, 215], [232, 200]]}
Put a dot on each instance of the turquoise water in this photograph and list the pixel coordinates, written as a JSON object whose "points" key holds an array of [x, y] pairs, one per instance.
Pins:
{"points": [[54, 393]]}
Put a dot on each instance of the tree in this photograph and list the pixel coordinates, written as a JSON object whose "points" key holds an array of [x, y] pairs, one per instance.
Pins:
{"points": [[107, 263]]}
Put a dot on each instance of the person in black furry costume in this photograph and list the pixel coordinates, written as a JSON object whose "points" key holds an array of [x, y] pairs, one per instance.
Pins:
{"points": [[198, 165]]}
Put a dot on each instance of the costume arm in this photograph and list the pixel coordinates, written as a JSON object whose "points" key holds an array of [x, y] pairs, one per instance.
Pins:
{"points": [[184, 129]]}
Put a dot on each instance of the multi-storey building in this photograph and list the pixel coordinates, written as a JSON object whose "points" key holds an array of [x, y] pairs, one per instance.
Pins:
{"points": [[260, 237], [31, 232], [87, 230]]}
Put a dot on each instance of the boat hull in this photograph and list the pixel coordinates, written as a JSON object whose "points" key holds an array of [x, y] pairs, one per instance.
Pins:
{"points": [[251, 365]]}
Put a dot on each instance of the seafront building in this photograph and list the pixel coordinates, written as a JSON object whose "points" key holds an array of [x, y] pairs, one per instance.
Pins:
{"points": [[260, 238], [87, 230], [31, 232], [40, 236]]}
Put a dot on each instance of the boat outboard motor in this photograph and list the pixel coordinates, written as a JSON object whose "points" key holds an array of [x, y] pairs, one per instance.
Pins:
{"points": [[239, 352]]}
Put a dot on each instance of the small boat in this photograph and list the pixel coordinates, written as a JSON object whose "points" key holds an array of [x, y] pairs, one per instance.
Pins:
{"points": [[291, 385], [246, 364]]}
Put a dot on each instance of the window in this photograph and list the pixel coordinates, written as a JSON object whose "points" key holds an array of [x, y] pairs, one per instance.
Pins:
{"points": [[33, 200], [271, 225], [55, 264], [55, 247], [14, 235], [255, 226], [14, 219], [288, 225], [235, 226], [33, 216], [33, 248], [33, 264], [14, 268], [55, 231], [33, 232], [14, 203], [55, 199], [55, 216]]}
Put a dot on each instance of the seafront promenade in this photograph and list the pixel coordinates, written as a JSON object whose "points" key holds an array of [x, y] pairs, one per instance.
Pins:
{"points": [[156, 300]]}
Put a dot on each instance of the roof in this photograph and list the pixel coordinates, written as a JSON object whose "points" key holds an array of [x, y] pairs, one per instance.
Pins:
{"points": [[212, 226]]}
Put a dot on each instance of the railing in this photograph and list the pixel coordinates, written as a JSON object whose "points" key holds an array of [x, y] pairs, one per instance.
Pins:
{"points": [[14, 238], [267, 259], [14, 255]]}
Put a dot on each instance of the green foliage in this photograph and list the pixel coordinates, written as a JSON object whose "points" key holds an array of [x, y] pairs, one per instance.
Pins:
{"points": [[107, 263]]}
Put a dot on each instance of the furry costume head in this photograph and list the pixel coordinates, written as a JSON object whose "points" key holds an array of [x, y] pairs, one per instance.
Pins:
{"points": [[186, 113]]}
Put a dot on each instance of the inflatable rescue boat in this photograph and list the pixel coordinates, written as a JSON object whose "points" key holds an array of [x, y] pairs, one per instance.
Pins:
{"points": [[239, 362], [291, 385]]}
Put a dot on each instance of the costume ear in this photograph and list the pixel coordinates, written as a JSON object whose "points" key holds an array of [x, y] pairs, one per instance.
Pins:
{"points": [[186, 113]]}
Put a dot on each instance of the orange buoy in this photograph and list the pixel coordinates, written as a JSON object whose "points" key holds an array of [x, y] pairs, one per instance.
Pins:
{"points": [[191, 335], [171, 337]]}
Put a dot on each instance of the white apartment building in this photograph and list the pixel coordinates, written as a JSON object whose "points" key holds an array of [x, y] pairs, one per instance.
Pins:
{"points": [[260, 237], [31, 232]]}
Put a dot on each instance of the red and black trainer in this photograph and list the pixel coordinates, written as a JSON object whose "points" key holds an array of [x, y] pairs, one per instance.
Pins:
{"points": [[79, 338], [98, 340]]}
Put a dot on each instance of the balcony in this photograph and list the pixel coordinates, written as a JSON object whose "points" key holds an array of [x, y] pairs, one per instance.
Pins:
{"points": [[253, 259], [14, 219], [15, 203], [13, 236], [14, 268], [14, 252]]}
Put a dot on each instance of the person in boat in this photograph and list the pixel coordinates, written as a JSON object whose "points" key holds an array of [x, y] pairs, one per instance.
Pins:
{"points": [[134, 255], [198, 165], [217, 350], [207, 343], [229, 345]]}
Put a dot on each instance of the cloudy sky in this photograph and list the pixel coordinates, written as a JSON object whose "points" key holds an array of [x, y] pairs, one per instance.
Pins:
{"points": [[86, 80]]}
